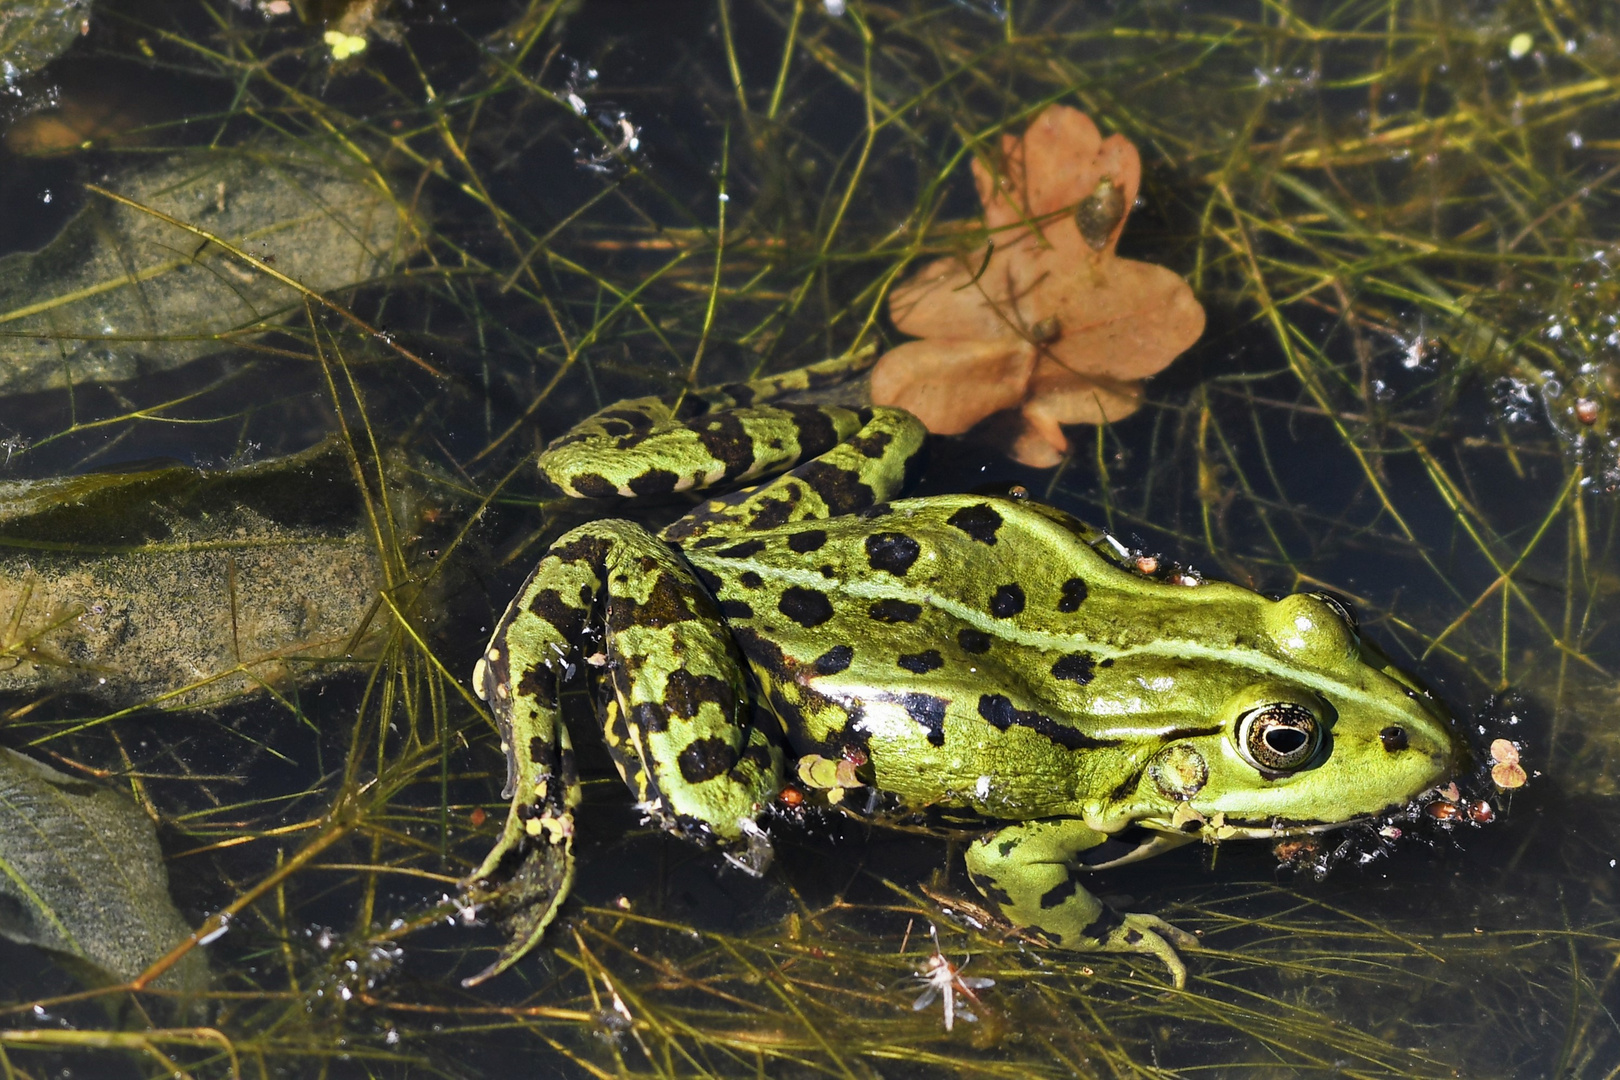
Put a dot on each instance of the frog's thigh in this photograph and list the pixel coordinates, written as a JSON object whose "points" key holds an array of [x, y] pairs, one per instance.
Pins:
{"points": [[867, 468], [678, 722], [1029, 871]]}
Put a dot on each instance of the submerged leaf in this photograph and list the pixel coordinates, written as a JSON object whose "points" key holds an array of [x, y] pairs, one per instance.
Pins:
{"points": [[119, 291], [81, 876], [186, 586], [78, 117]]}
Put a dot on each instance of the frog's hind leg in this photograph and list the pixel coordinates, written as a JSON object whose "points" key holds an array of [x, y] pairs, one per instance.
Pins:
{"points": [[1031, 872], [528, 872], [679, 723], [674, 722], [869, 467], [721, 435]]}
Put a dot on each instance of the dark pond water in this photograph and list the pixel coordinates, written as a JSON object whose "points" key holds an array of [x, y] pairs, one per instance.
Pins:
{"points": [[415, 263]]}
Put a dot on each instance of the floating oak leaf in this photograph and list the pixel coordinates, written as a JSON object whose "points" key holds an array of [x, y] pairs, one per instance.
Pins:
{"points": [[1048, 320]]}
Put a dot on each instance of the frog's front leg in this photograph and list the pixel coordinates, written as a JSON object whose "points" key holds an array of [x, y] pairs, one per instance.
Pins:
{"points": [[612, 596], [1030, 871]]}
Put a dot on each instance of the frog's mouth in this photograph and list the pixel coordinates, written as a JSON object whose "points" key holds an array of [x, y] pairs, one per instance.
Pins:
{"points": [[1274, 831], [1239, 829], [1153, 836], [1188, 824]]}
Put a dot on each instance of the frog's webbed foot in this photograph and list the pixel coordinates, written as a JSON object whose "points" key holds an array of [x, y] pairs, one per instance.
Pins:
{"points": [[1030, 872], [1129, 932], [753, 854], [526, 876], [525, 879]]}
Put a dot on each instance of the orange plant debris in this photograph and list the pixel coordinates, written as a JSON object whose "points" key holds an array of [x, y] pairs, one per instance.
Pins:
{"points": [[1049, 321]]}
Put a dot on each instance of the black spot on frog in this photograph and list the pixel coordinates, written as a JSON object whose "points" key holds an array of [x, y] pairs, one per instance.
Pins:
{"points": [[1058, 893], [654, 482], [975, 642], [1000, 713], [742, 550], [594, 486], [565, 618], [929, 712], [685, 693], [1007, 602], [1074, 594], [892, 552], [836, 659], [921, 663], [807, 607], [841, 489], [727, 440], [539, 683], [979, 521], [802, 543], [895, 611], [705, 759], [1075, 668]]}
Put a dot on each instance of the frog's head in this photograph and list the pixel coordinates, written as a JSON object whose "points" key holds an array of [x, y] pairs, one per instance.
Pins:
{"points": [[1322, 729]]}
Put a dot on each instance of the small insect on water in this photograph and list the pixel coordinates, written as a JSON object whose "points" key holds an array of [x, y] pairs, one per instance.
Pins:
{"points": [[945, 980]]}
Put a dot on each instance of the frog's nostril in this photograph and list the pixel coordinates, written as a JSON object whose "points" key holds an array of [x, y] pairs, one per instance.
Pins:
{"points": [[1393, 738]]}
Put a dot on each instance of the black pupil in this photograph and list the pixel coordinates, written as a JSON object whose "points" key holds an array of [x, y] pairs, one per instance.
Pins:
{"points": [[1286, 740]]}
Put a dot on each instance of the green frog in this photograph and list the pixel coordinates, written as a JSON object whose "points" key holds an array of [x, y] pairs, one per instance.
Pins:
{"points": [[988, 661]]}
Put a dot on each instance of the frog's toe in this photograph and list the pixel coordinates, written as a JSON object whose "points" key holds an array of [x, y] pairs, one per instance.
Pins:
{"points": [[1151, 934], [753, 853], [1178, 937]]}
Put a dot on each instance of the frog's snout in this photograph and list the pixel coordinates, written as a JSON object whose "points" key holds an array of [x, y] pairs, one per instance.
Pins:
{"points": [[1397, 741], [1424, 735]]}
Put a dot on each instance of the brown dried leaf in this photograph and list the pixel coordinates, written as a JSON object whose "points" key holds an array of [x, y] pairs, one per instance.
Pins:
{"points": [[1058, 396], [1096, 324], [950, 385], [1056, 163]]}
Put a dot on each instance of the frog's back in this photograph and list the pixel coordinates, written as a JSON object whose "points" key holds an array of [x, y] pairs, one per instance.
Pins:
{"points": [[954, 638]]}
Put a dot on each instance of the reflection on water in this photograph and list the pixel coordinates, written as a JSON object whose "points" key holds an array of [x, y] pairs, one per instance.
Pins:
{"points": [[1398, 218]]}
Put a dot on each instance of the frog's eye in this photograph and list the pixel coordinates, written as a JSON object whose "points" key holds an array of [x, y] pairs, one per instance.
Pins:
{"points": [[1279, 737], [1342, 608]]}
